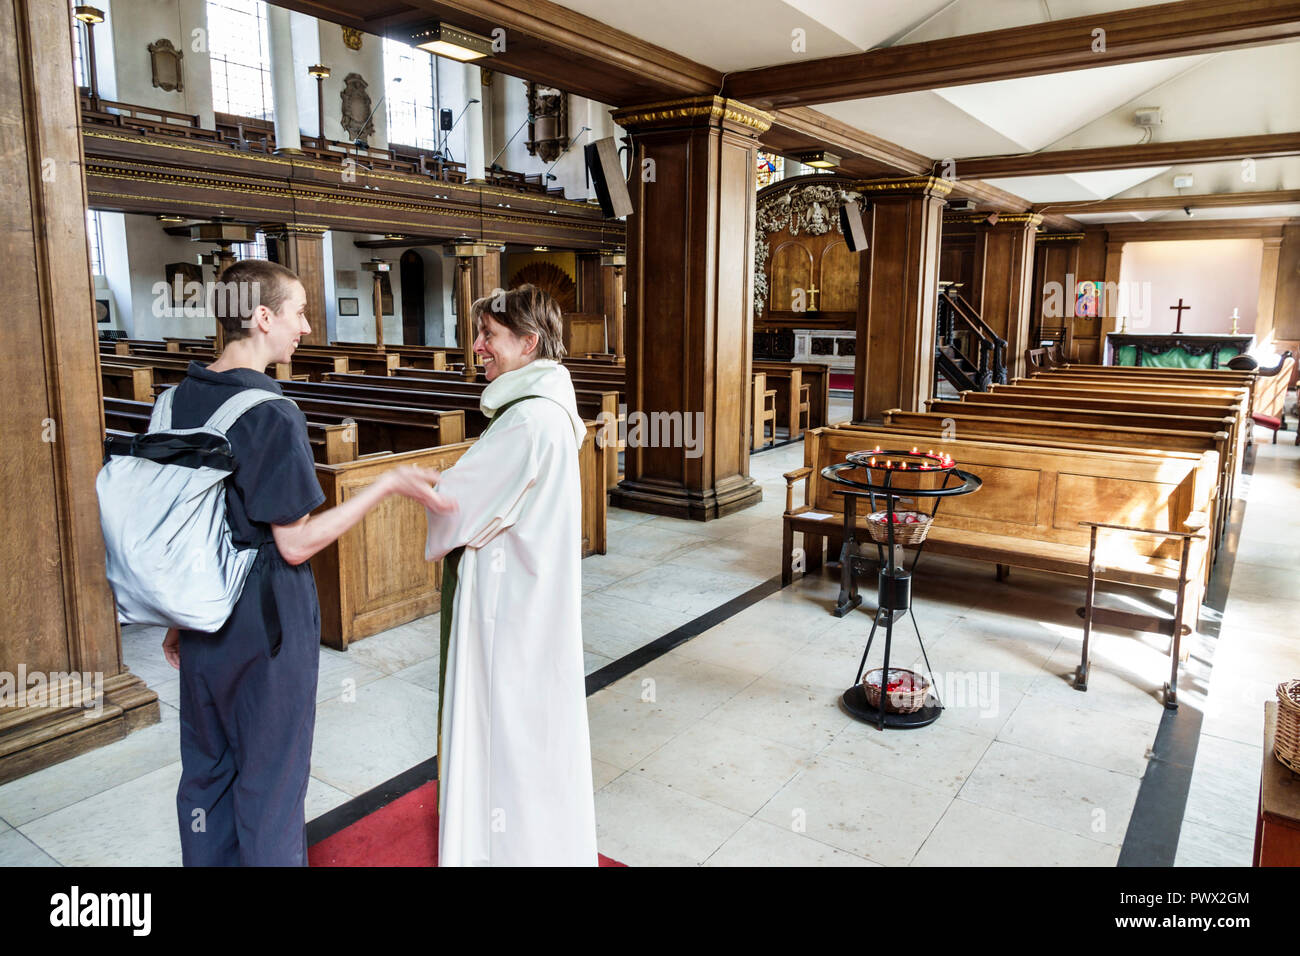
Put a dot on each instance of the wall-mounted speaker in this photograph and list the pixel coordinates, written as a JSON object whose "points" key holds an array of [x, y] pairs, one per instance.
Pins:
{"points": [[444, 120], [607, 177], [855, 233]]}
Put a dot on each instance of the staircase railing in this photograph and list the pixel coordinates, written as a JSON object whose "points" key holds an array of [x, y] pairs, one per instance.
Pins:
{"points": [[963, 332]]}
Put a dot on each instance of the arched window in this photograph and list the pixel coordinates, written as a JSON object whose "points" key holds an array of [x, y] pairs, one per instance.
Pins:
{"points": [[241, 61]]}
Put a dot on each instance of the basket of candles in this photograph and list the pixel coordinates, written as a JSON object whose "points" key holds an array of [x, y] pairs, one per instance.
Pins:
{"points": [[910, 527], [1286, 739], [905, 691]]}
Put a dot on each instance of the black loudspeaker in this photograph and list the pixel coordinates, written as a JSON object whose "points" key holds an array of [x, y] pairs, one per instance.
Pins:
{"points": [[444, 120], [607, 177], [855, 234]]}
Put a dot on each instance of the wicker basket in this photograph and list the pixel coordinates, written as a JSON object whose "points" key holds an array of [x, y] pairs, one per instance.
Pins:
{"points": [[899, 701], [1286, 740], [906, 531]]}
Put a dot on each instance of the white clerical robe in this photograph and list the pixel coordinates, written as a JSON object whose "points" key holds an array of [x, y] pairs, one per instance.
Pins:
{"points": [[516, 784]]}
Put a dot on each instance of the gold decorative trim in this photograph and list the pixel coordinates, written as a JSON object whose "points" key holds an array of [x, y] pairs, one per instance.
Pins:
{"points": [[1020, 218], [406, 178], [1058, 237], [927, 185], [716, 108], [270, 214]]}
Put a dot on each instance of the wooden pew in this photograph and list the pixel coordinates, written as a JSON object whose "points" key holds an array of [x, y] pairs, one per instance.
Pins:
{"points": [[758, 412], [370, 360], [1062, 432], [1028, 512], [787, 383], [127, 381], [375, 576], [816, 377], [599, 406], [331, 443]]}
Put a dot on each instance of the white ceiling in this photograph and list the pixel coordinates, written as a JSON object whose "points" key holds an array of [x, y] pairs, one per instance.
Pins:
{"points": [[1240, 92]]}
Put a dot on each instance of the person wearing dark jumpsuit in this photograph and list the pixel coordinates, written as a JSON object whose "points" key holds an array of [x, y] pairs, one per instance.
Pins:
{"points": [[248, 690]]}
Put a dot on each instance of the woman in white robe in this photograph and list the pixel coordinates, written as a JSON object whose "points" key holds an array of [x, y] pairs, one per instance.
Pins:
{"points": [[514, 755]]}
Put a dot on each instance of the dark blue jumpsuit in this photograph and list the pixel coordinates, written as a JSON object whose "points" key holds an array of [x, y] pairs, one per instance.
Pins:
{"points": [[248, 691]]}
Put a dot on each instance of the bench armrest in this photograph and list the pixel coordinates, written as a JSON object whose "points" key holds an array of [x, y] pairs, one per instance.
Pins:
{"points": [[790, 478], [1155, 531], [1196, 521]]}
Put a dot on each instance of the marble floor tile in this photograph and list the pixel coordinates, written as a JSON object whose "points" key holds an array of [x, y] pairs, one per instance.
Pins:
{"points": [[615, 627], [625, 730], [652, 544], [879, 818], [1202, 845], [1224, 791], [643, 823], [723, 765], [601, 570], [602, 773], [1124, 678], [759, 843], [972, 835], [1094, 737], [132, 824], [1054, 791], [399, 647], [390, 727], [936, 757], [342, 672], [71, 781], [17, 850], [322, 798], [802, 717], [685, 688], [423, 674], [693, 591]]}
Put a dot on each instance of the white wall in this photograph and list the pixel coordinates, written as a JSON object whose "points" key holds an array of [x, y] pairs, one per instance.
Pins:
{"points": [[136, 24], [368, 62], [149, 251], [1213, 276], [347, 279]]}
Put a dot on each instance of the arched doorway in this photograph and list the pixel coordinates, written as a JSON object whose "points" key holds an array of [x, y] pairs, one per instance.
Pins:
{"points": [[412, 278]]}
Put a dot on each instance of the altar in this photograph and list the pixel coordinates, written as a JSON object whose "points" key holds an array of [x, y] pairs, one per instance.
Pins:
{"points": [[1176, 349]]}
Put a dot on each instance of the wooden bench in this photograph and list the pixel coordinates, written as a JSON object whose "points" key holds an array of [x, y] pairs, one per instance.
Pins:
{"points": [[812, 376], [1029, 512]]}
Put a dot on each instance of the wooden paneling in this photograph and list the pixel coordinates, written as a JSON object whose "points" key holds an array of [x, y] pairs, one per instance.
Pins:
{"points": [[59, 612], [1286, 301], [304, 253]]}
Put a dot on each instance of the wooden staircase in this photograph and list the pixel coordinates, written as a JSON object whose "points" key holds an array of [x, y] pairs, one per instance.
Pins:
{"points": [[968, 354]]}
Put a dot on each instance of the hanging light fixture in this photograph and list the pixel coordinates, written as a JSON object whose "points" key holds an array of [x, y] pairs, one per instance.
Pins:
{"points": [[818, 158], [443, 39]]}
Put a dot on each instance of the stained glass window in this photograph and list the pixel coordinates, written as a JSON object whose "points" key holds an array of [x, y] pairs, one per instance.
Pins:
{"points": [[771, 167], [239, 50], [411, 95]]}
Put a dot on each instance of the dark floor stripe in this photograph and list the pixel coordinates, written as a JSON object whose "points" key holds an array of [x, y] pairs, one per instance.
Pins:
{"points": [[1157, 820], [328, 824]]}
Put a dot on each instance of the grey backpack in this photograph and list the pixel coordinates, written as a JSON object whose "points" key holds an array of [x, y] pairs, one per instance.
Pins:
{"points": [[171, 559]]}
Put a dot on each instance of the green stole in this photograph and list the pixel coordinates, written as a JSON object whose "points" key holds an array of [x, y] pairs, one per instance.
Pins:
{"points": [[450, 576]]}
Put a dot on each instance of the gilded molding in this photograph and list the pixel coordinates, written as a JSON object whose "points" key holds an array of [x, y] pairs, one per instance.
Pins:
{"points": [[472, 191], [975, 218], [1058, 237], [716, 108], [933, 186]]}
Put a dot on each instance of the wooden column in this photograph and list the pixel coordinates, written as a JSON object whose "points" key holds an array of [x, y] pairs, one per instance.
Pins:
{"points": [[1056, 270], [303, 251], [59, 613], [1264, 314], [464, 305], [1286, 301], [898, 288], [613, 286], [1004, 259], [690, 297]]}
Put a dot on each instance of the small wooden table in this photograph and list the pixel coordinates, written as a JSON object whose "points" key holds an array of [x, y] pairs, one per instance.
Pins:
{"points": [[1277, 825]]}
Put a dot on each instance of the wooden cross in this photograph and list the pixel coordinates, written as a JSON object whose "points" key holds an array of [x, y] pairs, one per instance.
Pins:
{"points": [[1180, 307]]}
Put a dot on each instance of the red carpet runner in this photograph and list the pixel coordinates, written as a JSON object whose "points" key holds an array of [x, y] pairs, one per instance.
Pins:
{"points": [[403, 833]]}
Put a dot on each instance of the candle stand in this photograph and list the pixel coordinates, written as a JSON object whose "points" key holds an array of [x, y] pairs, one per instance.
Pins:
{"points": [[883, 471]]}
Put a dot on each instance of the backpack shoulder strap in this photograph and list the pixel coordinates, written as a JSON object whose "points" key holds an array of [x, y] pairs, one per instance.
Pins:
{"points": [[160, 419], [235, 406]]}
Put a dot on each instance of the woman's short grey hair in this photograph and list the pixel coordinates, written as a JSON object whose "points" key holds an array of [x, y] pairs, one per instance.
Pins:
{"points": [[526, 309]]}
